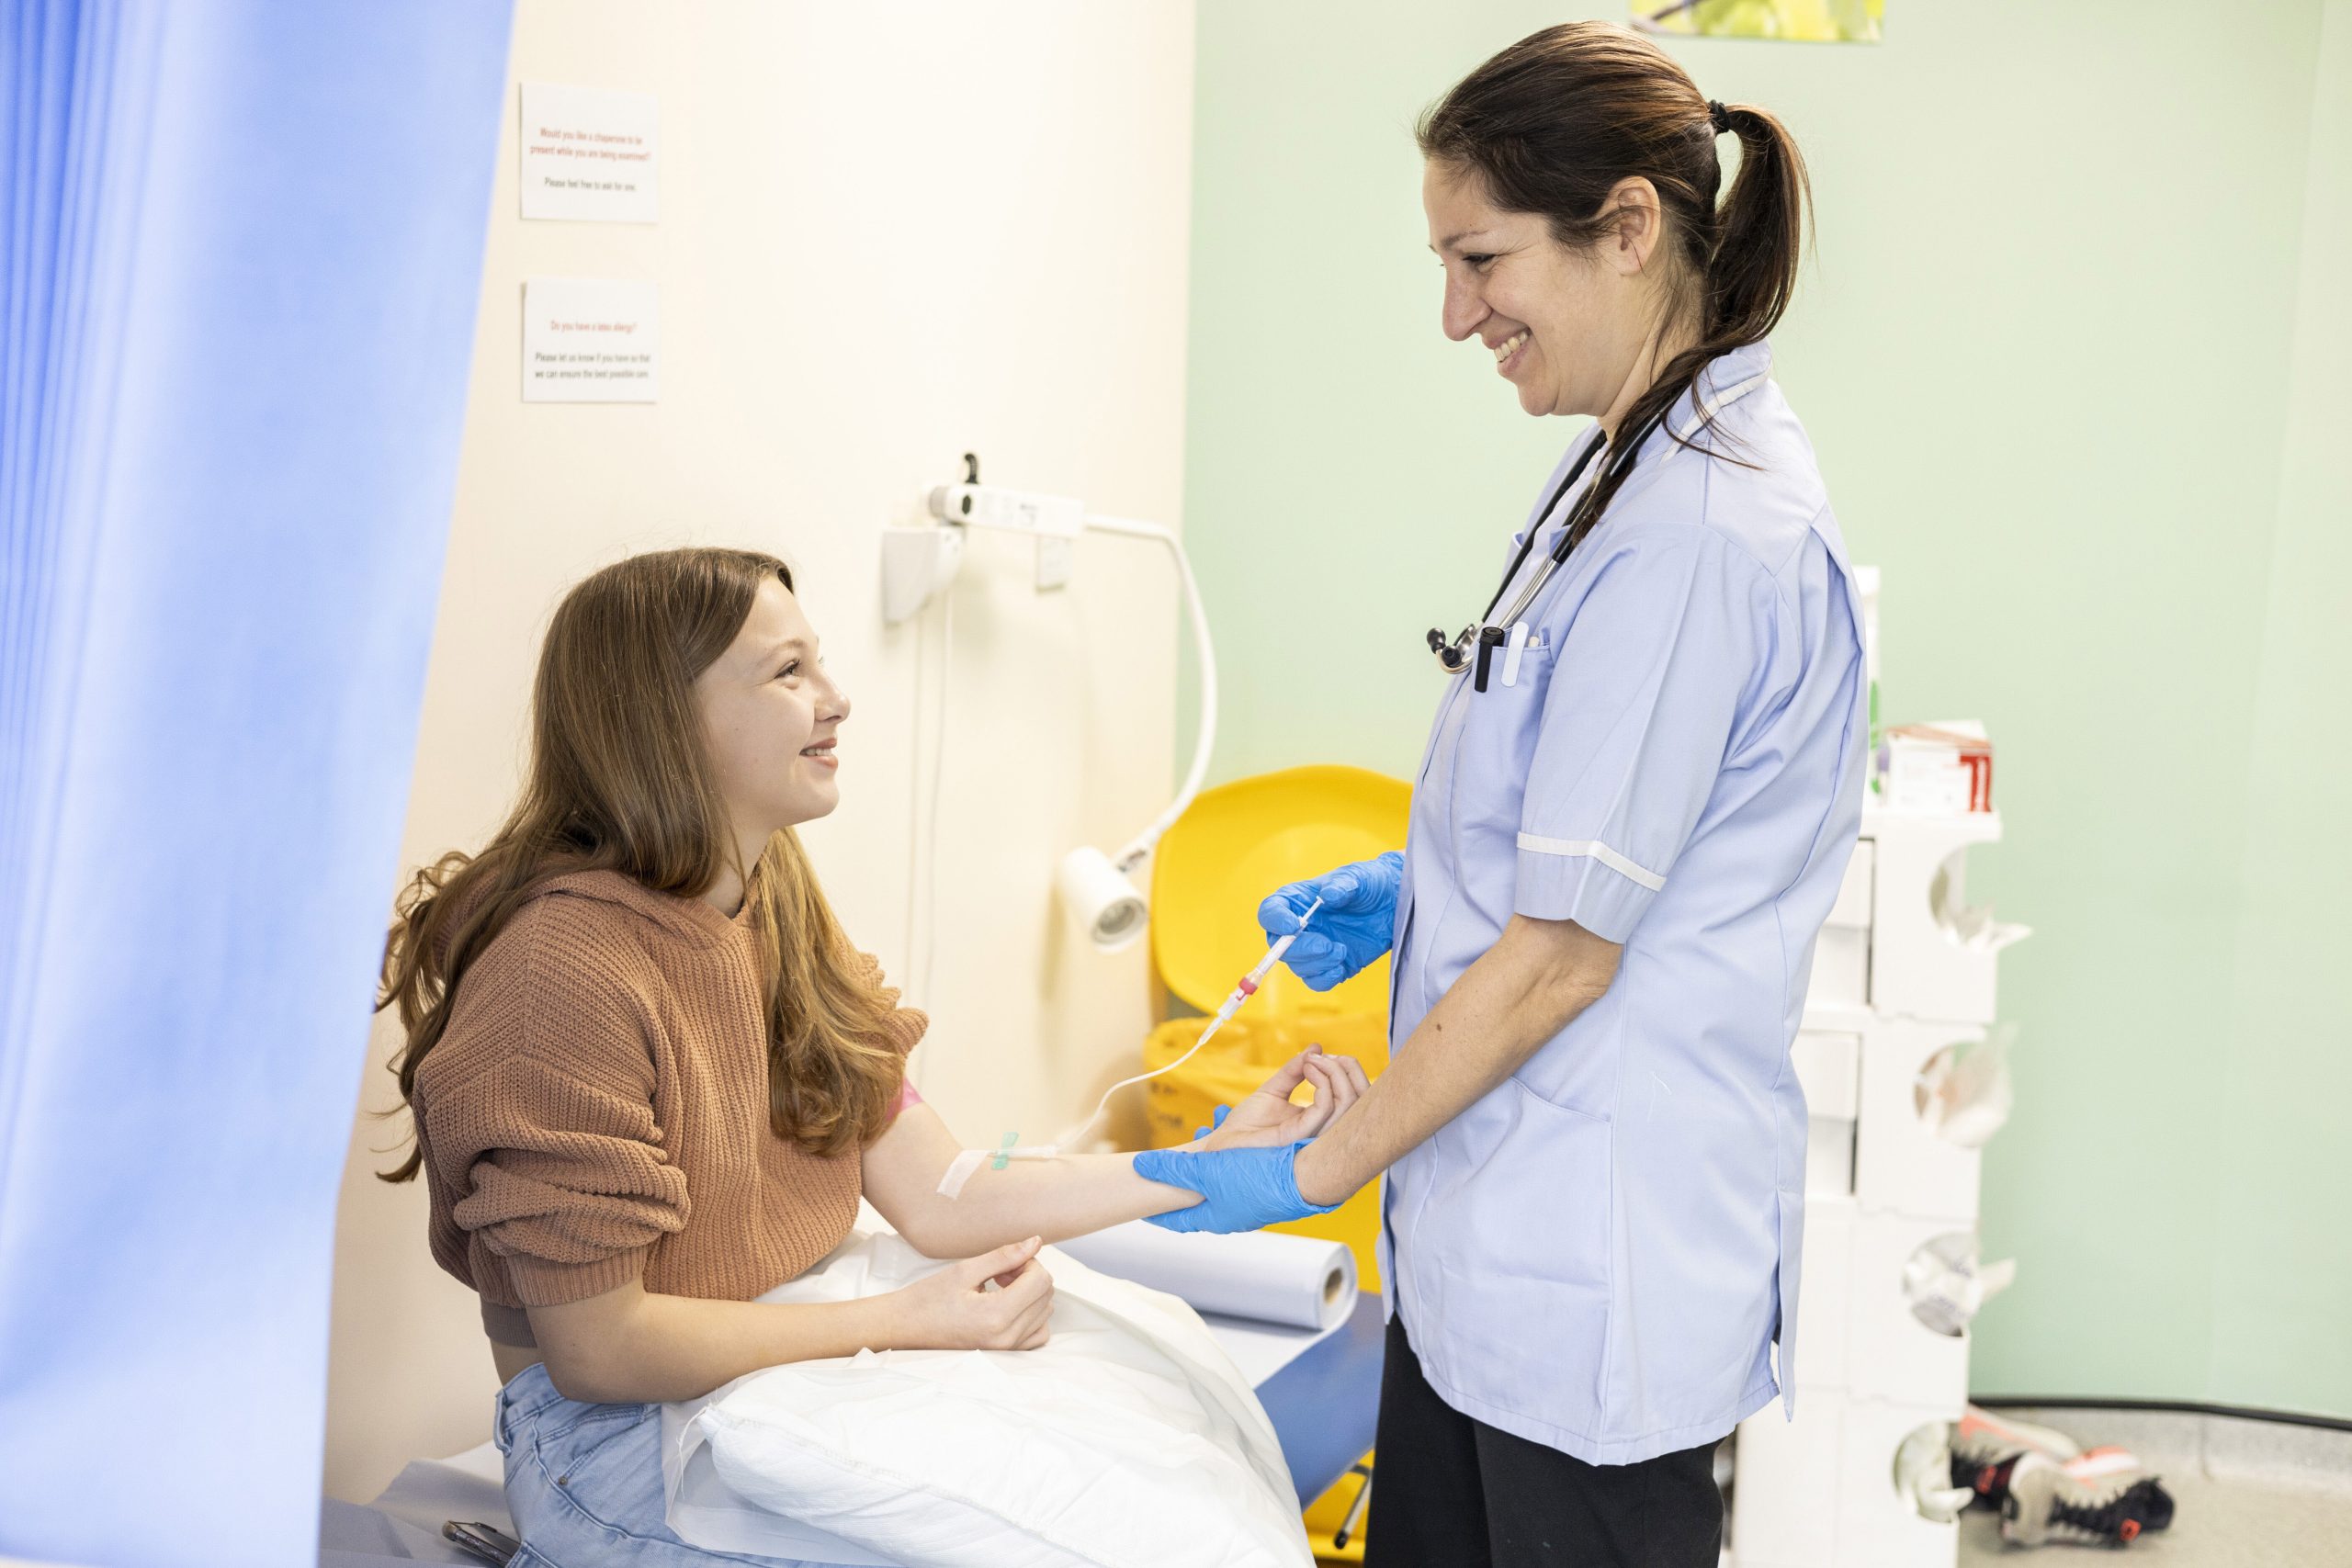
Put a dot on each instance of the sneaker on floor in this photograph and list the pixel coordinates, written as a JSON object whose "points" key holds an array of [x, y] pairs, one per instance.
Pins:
{"points": [[1985, 1448], [2109, 1501]]}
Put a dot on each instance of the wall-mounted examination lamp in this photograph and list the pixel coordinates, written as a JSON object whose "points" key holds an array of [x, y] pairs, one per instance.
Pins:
{"points": [[1105, 904], [1097, 890]]}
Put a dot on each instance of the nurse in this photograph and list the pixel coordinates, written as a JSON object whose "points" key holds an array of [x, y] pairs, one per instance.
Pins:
{"points": [[1640, 790]]}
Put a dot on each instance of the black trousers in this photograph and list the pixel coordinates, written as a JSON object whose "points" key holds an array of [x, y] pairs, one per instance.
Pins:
{"points": [[1450, 1492]]}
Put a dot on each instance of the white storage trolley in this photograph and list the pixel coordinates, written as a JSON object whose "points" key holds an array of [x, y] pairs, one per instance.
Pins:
{"points": [[1904, 971]]}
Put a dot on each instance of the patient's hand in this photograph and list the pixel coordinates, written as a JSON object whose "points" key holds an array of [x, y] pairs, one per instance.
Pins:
{"points": [[955, 1309], [1268, 1117]]}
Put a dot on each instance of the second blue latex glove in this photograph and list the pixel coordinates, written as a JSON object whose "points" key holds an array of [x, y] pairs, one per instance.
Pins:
{"points": [[1242, 1189], [1355, 926]]}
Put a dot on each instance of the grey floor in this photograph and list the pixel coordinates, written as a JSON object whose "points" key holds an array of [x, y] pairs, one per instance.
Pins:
{"points": [[2250, 1493]]}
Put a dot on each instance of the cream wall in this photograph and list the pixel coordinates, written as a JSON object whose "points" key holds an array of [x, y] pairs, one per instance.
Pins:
{"points": [[888, 235]]}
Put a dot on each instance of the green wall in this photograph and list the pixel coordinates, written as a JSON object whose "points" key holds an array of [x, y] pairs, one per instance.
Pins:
{"points": [[2077, 266], [2282, 1280]]}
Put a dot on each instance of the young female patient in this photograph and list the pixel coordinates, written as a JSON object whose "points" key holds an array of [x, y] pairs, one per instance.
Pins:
{"points": [[650, 1079]]}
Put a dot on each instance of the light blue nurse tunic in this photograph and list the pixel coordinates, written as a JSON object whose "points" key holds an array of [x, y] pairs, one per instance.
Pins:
{"points": [[1598, 1255]]}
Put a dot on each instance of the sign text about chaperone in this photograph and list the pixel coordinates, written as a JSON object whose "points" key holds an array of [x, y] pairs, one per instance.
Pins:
{"points": [[591, 341], [589, 155]]}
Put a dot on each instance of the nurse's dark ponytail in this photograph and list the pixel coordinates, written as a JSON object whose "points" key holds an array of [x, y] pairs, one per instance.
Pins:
{"points": [[1553, 123]]}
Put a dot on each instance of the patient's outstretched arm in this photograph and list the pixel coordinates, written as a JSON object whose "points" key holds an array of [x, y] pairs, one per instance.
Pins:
{"points": [[1071, 1194], [1056, 1199]]}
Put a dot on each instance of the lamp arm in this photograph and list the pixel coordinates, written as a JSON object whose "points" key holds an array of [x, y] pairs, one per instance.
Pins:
{"points": [[1132, 853]]}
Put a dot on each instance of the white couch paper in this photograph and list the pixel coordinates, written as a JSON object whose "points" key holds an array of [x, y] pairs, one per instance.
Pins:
{"points": [[1268, 1297]]}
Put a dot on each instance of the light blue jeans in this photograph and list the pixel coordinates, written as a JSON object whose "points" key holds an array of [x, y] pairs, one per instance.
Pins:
{"points": [[583, 1482]]}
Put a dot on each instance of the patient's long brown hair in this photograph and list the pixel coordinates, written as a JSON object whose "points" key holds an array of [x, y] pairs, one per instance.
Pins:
{"points": [[620, 780]]}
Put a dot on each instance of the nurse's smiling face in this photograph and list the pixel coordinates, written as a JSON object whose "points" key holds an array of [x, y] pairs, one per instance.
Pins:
{"points": [[1566, 327]]}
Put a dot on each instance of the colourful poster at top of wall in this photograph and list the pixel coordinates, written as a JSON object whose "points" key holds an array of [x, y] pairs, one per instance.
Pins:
{"points": [[1795, 21]]}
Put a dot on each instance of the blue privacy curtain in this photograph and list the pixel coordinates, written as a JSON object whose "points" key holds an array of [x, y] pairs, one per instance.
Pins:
{"points": [[242, 248]]}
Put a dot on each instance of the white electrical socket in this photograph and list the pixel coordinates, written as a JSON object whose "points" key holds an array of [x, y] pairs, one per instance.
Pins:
{"points": [[1054, 519], [990, 506]]}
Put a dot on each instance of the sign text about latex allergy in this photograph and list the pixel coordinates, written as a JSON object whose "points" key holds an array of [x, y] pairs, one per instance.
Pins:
{"points": [[589, 155], [591, 341]]}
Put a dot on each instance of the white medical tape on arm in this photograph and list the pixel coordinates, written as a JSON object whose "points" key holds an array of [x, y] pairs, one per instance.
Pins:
{"points": [[959, 1171]]}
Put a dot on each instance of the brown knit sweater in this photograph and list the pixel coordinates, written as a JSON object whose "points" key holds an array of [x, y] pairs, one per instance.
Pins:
{"points": [[597, 1111]]}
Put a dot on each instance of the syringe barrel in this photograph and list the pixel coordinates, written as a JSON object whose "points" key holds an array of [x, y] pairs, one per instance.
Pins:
{"points": [[1274, 956]]}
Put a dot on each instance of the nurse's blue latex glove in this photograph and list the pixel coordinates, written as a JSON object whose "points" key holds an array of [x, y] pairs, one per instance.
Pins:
{"points": [[1354, 926], [1243, 1188]]}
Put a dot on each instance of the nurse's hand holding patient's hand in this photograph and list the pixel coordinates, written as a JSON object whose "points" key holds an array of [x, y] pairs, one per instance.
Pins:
{"points": [[1268, 1115], [1241, 1189], [1354, 926]]}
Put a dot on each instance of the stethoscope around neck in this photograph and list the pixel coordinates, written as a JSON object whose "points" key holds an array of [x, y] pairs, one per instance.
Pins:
{"points": [[1482, 640], [1489, 633]]}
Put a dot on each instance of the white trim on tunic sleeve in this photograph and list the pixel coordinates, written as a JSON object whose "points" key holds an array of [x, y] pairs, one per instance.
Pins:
{"points": [[1595, 850]]}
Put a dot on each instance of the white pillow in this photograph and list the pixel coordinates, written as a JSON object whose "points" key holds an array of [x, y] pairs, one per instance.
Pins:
{"points": [[1129, 1441]]}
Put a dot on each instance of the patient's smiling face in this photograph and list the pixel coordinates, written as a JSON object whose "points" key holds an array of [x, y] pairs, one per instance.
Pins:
{"points": [[772, 717]]}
